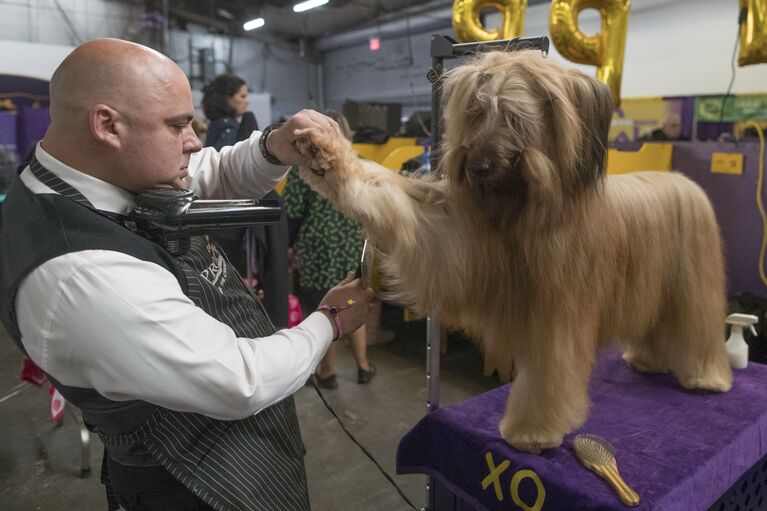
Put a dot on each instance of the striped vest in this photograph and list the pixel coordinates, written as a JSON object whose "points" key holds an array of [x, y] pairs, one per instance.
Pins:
{"points": [[253, 464]]}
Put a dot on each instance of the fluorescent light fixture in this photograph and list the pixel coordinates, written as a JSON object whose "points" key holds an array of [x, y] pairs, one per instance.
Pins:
{"points": [[309, 4], [252, 24]]}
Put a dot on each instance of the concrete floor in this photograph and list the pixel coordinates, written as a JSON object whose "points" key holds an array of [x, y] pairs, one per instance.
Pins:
{"points": [[39, 463]]}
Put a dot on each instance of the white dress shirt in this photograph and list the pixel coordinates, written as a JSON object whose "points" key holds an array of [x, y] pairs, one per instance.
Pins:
{"points": [[105, 320]]}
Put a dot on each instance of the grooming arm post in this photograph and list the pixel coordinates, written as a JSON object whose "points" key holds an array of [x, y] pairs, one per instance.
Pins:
{"points": [[433, 341]]}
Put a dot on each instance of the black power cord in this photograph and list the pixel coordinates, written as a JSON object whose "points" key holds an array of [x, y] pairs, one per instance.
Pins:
{"points": [[362, 448]]}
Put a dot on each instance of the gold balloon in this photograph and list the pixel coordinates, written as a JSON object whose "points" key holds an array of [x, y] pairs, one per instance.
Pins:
{"points": [[753, 33], [468, 27], [604, 49]]}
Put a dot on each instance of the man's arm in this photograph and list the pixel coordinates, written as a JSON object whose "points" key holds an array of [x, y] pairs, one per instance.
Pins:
{"points": [[236, 172], [122, 326], [242, 171]]}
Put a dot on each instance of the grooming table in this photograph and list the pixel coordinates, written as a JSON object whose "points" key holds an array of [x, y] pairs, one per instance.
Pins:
{"points": [[679, 450]]}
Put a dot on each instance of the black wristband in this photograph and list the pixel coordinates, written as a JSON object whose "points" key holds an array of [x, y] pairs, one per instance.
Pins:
{"points": [[262, 145]]}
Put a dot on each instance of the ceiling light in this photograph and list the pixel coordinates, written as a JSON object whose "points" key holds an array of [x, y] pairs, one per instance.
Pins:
{"points": [[309, 4], [252, 24]]}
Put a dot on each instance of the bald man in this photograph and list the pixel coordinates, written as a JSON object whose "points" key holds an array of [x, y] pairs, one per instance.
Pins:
{"points": [[172, 361]]}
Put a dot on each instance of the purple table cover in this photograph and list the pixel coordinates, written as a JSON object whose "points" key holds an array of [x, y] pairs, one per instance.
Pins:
{"points": [[679, 450]]}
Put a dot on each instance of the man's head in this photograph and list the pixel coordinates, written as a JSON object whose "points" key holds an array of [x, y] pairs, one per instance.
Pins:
{"points": [[122, 112], [672, 127]]}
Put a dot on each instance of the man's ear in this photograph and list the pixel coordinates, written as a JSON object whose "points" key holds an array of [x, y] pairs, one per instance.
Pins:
{"points": [[106, 125]]}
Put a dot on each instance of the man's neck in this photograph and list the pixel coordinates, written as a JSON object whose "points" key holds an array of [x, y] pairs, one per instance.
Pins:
{"points": [[75, 154]]}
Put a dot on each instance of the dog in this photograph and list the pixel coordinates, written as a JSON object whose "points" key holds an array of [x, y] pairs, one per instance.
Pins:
{"points": [[525, 244]]}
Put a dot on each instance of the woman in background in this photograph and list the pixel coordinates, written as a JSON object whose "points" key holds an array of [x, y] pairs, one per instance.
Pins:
{"points": [[225, 103], [329, 246]]}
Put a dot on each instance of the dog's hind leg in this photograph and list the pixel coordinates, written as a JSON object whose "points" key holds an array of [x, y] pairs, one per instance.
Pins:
{"points": [[695, 315], [643, 355], [688, 338], [692, 348], [549, 397], [695, 345], [686, 335]]}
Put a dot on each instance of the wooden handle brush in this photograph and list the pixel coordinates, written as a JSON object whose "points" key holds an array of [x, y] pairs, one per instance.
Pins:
{"points": [[598, 455]]}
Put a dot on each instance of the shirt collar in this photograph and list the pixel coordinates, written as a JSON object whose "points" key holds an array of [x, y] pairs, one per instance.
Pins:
{"points": [[104, 196]]}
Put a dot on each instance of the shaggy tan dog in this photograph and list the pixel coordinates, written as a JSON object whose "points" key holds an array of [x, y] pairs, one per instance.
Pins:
{"points": [[526, 245]]}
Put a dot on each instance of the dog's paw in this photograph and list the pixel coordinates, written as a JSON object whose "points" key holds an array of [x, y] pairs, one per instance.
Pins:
{"points": [[533, 443], [304, 147], [708, 382], [318, 150], [642, 364], [532, 440]]}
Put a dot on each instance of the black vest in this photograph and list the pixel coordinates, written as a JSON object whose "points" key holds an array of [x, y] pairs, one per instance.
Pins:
{"points": [[250, 464]]}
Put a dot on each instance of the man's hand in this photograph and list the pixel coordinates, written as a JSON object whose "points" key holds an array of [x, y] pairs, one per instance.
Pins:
{"points": [[353, 317], [280, 141]]}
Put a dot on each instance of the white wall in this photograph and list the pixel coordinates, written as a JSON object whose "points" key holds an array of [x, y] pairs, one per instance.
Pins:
{"points": [[673, 48], [271, 69], [33, 60], [40, 21], [34, 37]]}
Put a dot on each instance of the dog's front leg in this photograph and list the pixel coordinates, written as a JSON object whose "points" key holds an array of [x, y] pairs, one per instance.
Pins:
{"points": [[376, 197], [549, 397], [330, 163]]}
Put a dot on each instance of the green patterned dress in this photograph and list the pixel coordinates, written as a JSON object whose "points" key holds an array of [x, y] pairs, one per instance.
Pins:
{"points": [[329, 244]]}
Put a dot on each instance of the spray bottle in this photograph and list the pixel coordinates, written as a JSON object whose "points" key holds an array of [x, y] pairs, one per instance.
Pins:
{"points": [[737, 349]]}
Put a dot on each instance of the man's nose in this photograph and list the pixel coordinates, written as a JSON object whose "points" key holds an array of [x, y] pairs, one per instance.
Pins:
{"points": [[192, 144]]}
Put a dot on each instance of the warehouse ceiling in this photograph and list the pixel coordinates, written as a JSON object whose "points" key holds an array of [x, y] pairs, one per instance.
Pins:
{"points": [[334, 17]]}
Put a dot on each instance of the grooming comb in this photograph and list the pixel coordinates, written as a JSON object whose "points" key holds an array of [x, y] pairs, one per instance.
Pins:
{"points": [[366, 264], [598, 455]]}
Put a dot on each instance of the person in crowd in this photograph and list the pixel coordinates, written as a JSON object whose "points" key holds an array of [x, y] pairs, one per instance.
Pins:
{"points": [[225, 103], [671, 130], [328, 245], [171, 359]]}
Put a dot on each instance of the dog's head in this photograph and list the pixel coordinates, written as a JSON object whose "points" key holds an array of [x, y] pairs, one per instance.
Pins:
{"points": [[521, 129]]}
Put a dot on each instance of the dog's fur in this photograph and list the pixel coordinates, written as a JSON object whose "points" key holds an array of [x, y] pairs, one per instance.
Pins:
{"points": [[528, 246]]}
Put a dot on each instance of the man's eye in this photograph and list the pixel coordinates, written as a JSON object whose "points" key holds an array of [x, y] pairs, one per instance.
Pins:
{"points": [[179, 127]]}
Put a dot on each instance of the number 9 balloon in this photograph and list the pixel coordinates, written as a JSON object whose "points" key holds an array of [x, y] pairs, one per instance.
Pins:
{"points": [[604, 49], [468, 27], [753, 32]]}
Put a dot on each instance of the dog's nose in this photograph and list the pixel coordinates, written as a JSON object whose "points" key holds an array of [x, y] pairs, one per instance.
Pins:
{"points": [[480, 167]]}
